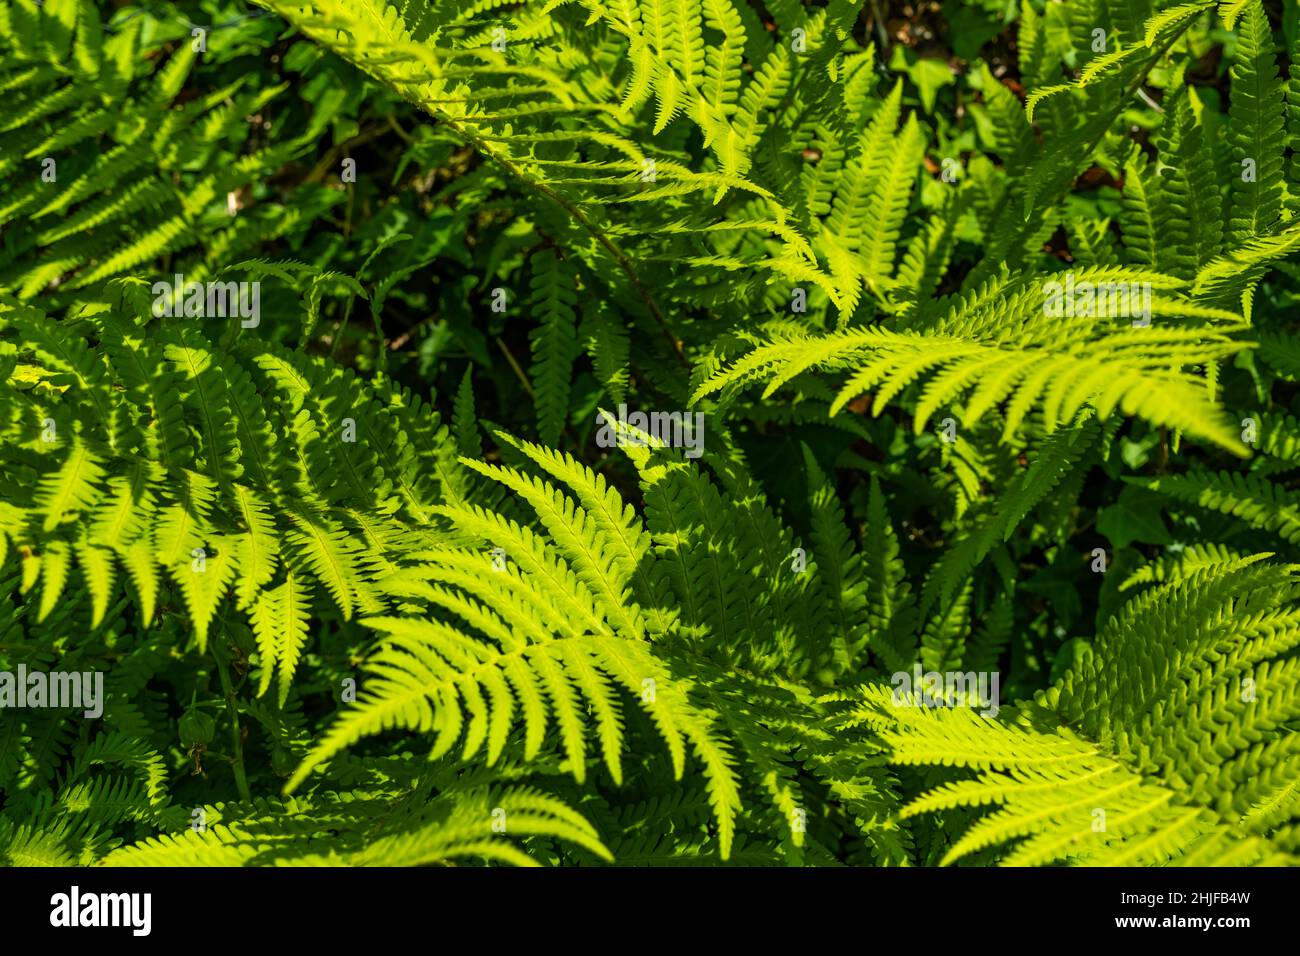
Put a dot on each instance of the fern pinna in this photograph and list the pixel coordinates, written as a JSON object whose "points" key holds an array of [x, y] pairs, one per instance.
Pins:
{"points": [[985, 547]]}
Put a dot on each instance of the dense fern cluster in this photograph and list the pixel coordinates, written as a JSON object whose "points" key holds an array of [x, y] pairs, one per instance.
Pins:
{"points": [[992, 555]]}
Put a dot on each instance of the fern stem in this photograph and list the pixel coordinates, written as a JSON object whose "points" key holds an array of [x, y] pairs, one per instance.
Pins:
{"points": [[232, 710], [621, 258], [519, 372]]}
